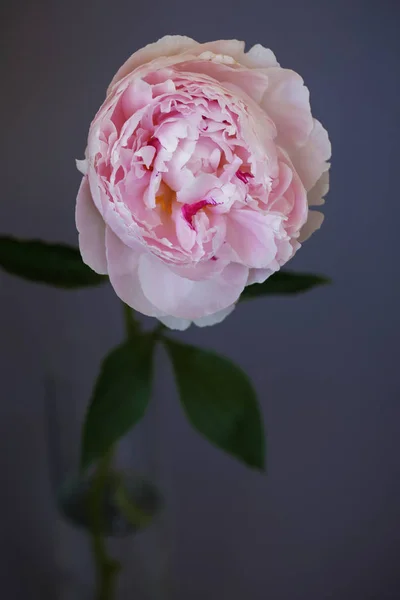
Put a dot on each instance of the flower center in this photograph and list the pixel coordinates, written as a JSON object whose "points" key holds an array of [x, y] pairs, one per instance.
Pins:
{"points": [[165, 198]]}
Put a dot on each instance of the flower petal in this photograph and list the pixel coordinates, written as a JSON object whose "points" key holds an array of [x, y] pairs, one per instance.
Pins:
{"points": [[184, 298], [314, 222], [182, 324], [123, 265], [169, 45], [91, 228], [251, 235], [204, 269], [259, 275], [198, 167], [310, 160], [215, 318], [175, 323], [233, 48], [287, 102], [260, 57], [82, 166], [317, 194], [136, 96], [253, 82]]}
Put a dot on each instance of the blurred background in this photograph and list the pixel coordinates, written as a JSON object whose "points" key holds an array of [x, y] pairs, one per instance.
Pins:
{"points": [[324, 523]]}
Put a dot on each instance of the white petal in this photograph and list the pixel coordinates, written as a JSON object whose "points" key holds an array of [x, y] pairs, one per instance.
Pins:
{"points": [[175, 323], [317, 194], [215, 318], [82, 166], [314, 222], [260, 57], [233, 48], [182, 324], [91, 228]]}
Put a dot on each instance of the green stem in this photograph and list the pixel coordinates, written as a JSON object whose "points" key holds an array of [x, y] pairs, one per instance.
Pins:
{"points": [[132, 326], [106, 567], [158, 331]]}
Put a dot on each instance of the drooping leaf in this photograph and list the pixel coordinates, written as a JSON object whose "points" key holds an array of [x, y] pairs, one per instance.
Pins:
{"points": [[129, 502], [284, 282], [120, 397], [58, 265], [219, 401]]}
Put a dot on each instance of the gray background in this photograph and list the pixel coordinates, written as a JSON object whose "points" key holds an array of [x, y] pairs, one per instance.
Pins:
{"points": [[324, 523]]}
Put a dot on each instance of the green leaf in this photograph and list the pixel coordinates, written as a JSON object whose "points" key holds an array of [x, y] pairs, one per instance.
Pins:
{"points": [[284, 282], [55, 264], [219, 401], [120, 397]]}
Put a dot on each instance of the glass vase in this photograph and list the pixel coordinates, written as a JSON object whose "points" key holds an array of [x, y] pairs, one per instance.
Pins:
{"points": [[144, 555]]}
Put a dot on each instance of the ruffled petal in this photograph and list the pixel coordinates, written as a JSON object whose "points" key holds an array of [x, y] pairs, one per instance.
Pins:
{"points": [[198, 168], [253, 82], [91, 228], [233, 48], [169, 45]]}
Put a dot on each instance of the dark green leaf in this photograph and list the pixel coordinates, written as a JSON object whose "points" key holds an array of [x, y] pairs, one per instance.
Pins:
{"points": [[219, 401], [129, 502], [284, 282], [54, 264], [120, 397]]}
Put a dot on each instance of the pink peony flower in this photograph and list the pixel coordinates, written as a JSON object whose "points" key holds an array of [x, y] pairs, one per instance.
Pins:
{"points": [[198, 168]]}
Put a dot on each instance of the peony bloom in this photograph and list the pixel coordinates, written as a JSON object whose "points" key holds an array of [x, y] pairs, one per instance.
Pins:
{"points": [[200, 168]]}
